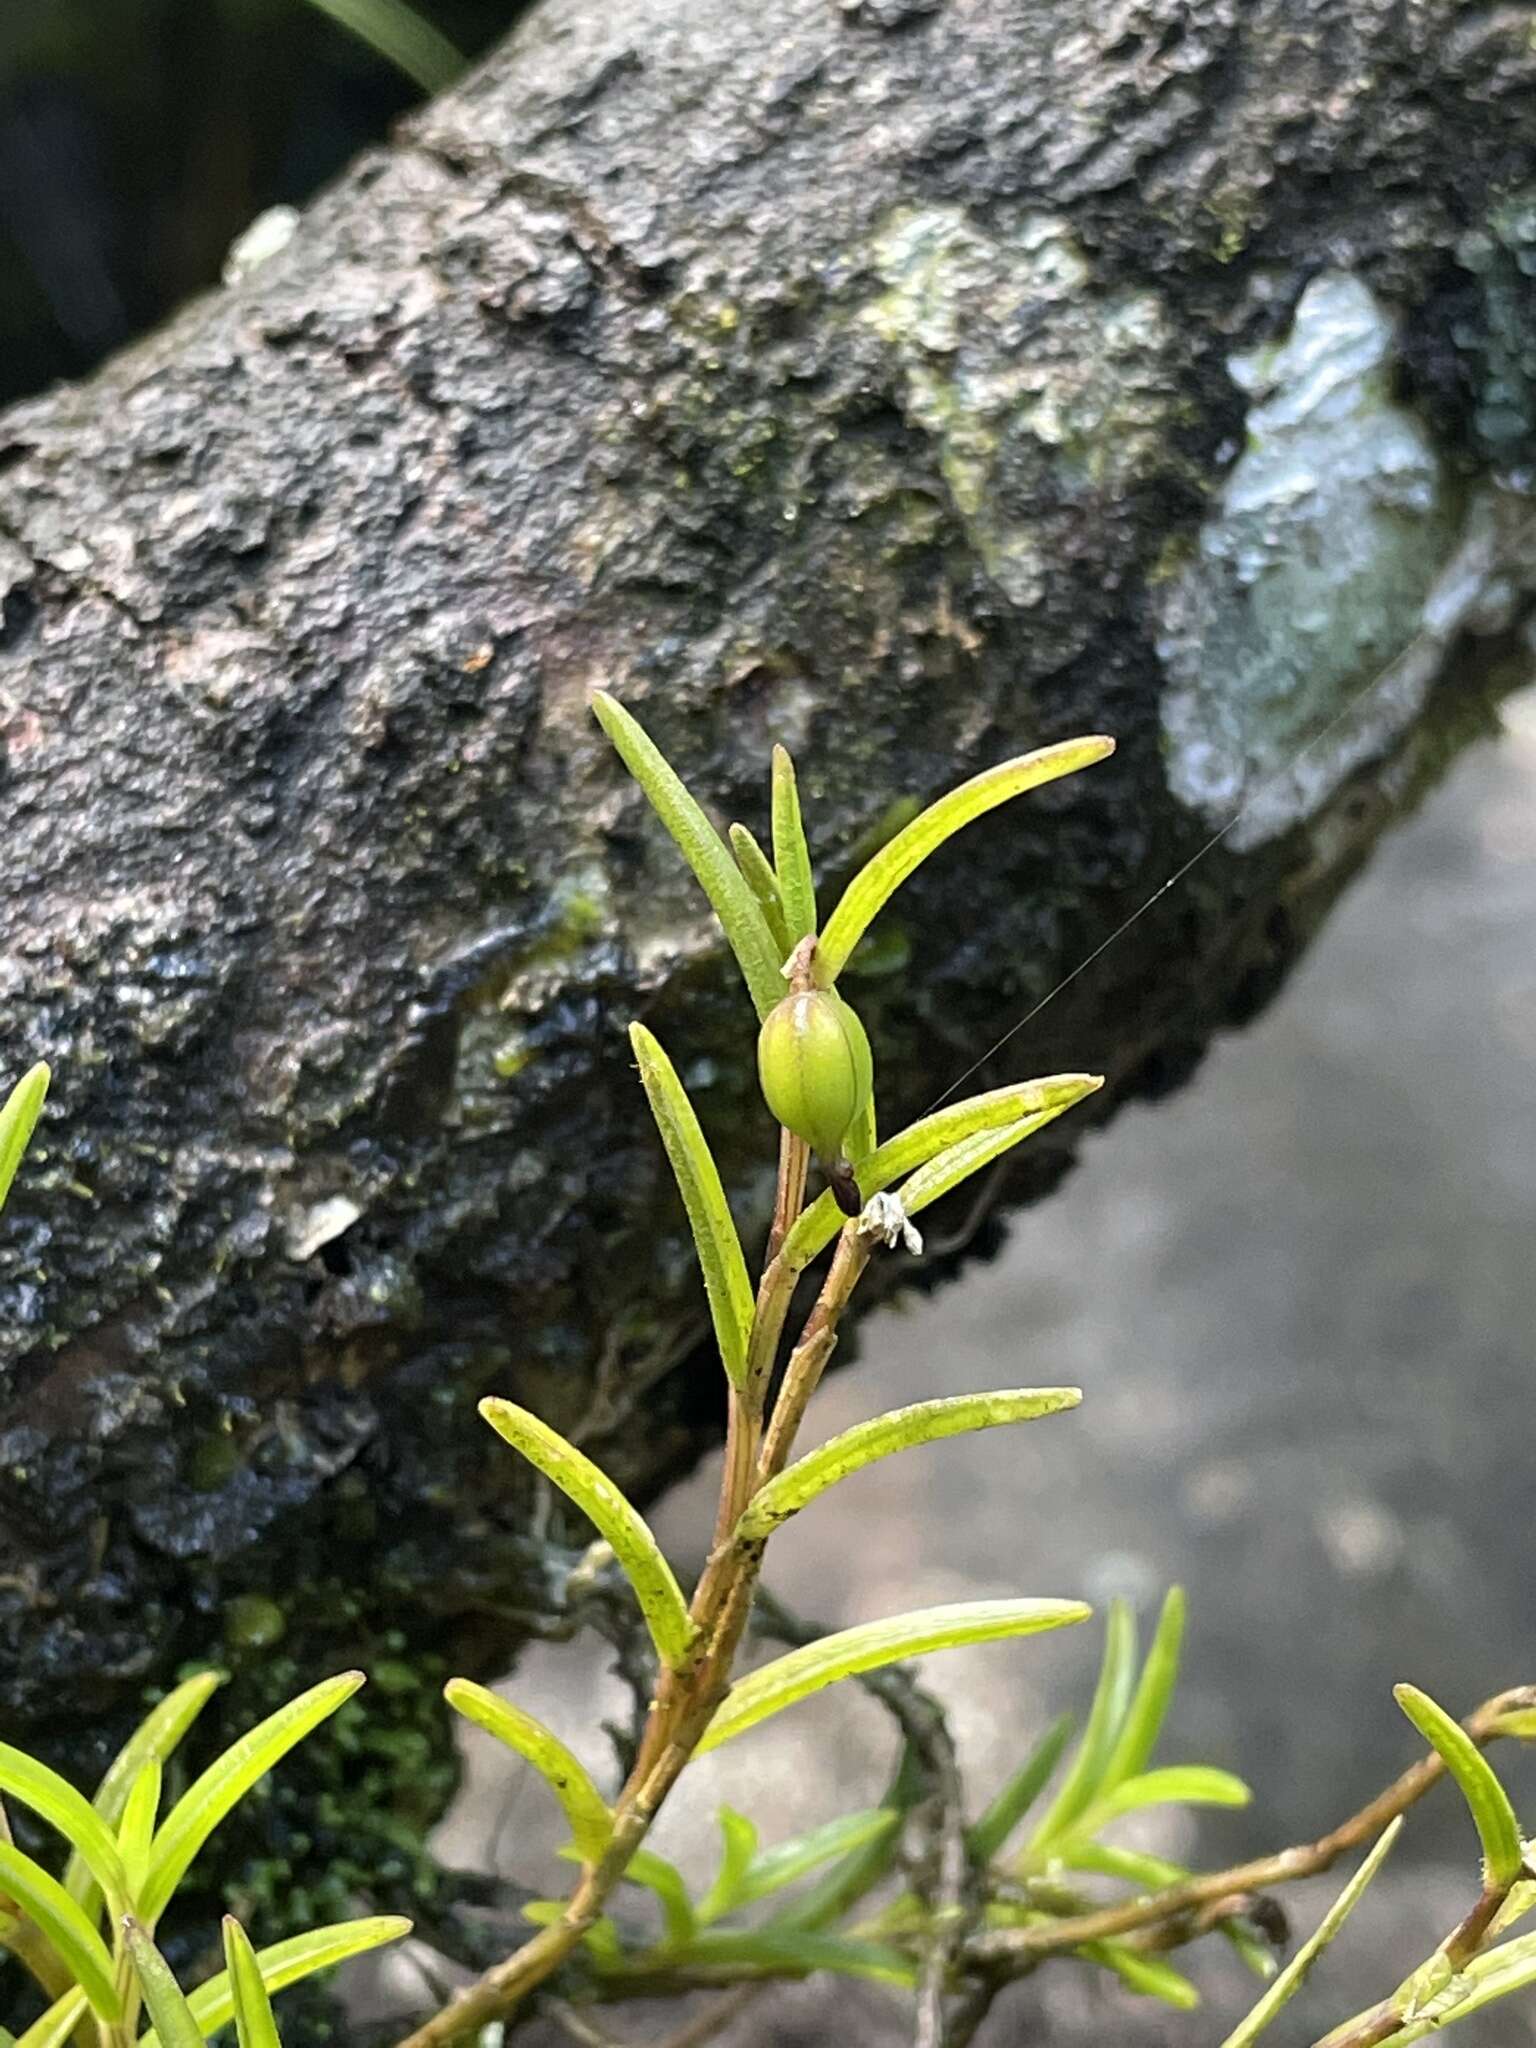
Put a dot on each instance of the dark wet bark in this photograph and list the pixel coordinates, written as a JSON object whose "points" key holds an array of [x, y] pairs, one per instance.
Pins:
{"points": [[856, 376]]}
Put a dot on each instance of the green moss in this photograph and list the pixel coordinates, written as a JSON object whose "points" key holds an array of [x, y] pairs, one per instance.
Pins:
{"points": [[1079, 407]]}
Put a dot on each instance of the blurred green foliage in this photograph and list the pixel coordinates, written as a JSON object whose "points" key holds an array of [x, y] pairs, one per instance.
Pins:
{"points": [[139, 137]]}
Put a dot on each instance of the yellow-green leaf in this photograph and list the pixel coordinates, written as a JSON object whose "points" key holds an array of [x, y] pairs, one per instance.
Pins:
{"points": [[254, 2024], [62, 1807], [871, 1644], [1145, 1974], [616, 1520], [874, 885], [791, 1952], [289, 1962], [1148, 1709], [58, 2023], [942, 1175], [1033, 1102], [1299, 1968], [709, 1214], [70, 1935], [136, 1830], [1111, 1697], [226, 1781], [164, 1999], [18, 1120], [705, 852], [1497, 1828], [757, 873], [791, 855], [586, 1811], [1173, 1785], [900, 1429], [153, 1741]]}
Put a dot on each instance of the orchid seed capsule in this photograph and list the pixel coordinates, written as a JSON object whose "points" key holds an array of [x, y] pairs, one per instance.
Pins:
{"points": [[814, 1063]]}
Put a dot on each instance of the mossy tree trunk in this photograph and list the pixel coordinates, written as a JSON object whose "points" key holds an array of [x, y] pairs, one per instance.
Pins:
{"points": [[910, 382]]}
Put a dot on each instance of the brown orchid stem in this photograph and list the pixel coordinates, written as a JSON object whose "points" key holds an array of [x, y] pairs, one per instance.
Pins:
{"points": [[686, 1699]]}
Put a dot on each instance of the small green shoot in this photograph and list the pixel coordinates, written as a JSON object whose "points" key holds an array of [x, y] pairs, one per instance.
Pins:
{"points": [[18, 1119], [791, 855]]}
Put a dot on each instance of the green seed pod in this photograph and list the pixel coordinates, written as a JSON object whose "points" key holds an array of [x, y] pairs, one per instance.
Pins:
{"points": [[814, 1063]]}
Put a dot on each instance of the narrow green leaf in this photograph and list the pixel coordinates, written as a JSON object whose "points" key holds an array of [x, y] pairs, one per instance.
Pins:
{"points": [[664, 1881], [1299, 1968], [136, 1830], [58, 2023], [775, 1869], [155, 1740], [987, 1835], [1519, 1722], [1148, 1710], [757, 873], [18, 1120], [838, 1890], [950, 1169], [738, 1846], [1111, 1697], [290, 1962], [702, 847], [58, 1803], [164, 2000], [70, 1935], [871, 1644], [254, 2024], [776, 1952], [620, 1524], [402, 36], [1497, 1828], [1035, 1102], [898, 1430], [225, 1782], [878, 880], [791, 855], [709, 1214], [1148, 1975], [586, 1811], [1173, 1785]]}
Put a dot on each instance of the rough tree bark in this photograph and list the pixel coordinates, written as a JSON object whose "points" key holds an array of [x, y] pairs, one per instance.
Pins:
{"points": [[912, 382]]}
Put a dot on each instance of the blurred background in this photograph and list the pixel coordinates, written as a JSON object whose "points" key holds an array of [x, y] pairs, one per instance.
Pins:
{"points": [[1300, 1296], [138, 138]]}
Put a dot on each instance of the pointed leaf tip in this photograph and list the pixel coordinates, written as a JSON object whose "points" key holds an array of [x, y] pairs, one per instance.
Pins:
{"points": [[18, 1119], [874, 885], [1497, 1827], [615, 1517], [701, 846]]}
